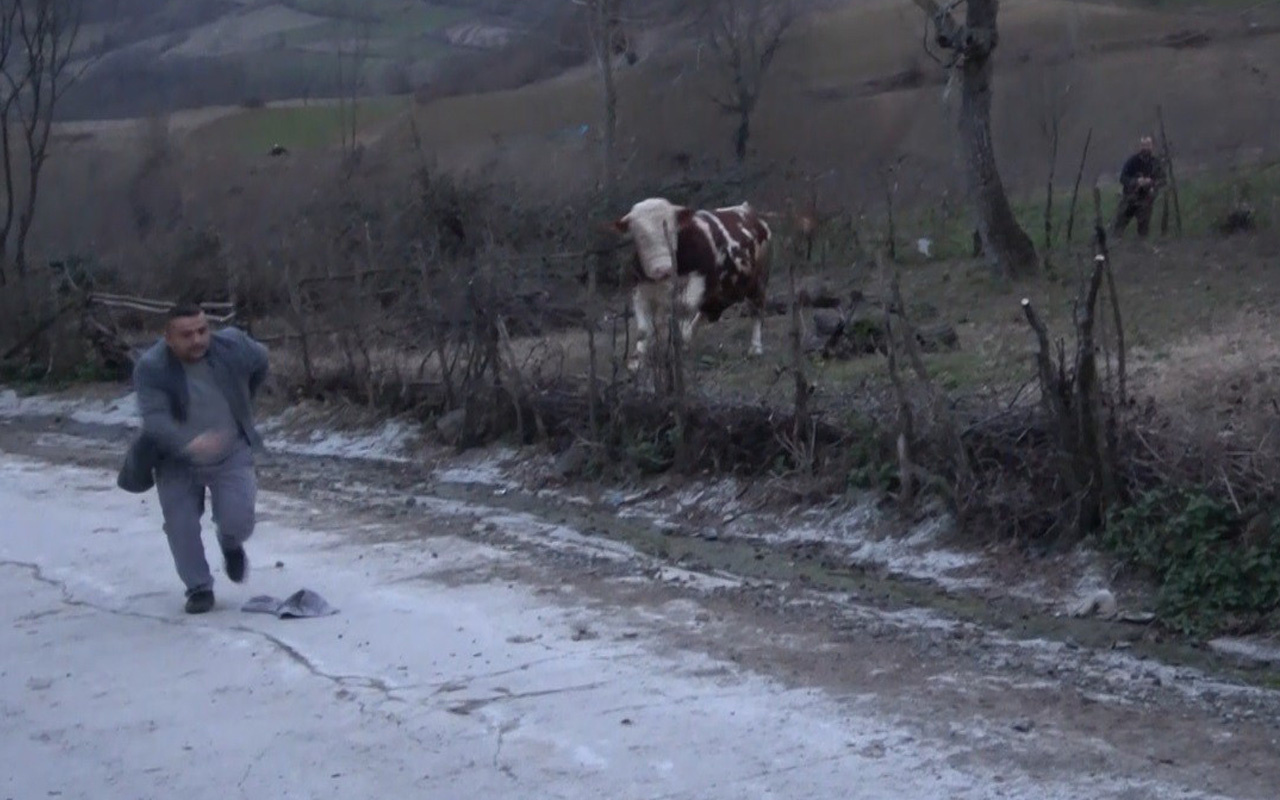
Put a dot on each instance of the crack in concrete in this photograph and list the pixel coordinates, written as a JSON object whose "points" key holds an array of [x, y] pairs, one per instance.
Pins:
{"points": [[68, 599], [458, 684], [503, 730], [468, 706], [387, 692], [256, 760], [344, 681], [378, 685]]}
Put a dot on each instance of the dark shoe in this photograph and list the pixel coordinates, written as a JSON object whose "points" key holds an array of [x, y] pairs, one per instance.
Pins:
{"points": [[237, 564], [200, 601]]}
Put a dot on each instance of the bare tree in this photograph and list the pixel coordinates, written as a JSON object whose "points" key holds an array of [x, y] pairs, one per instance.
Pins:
{"points": [[37, 43], [352, 55], [744, 37], [604, 32], [971, 45], [1052, 102]]}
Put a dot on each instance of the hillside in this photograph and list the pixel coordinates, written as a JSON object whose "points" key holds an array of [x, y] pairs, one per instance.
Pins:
{"points": [[147, 56], [853, 90]]}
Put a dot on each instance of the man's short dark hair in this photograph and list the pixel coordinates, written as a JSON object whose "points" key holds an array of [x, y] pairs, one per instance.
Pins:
{"points": [[180, 310]]}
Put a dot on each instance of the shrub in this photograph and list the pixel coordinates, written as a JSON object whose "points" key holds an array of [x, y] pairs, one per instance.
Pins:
{"points": [[1215, 572]]}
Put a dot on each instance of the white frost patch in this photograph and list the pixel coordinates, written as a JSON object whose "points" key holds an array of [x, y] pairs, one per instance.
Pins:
{"points": [[478, 35], [118, 411], [1122, 669], [534, 530], [721, 495], [698, 580], [75, 444], [1267, 652], [854, 530], [387, 442], [486, 468], [917, 555]]}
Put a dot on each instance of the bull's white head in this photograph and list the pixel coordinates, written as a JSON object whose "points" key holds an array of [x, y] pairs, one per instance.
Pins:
{"points": [[651, 224]]}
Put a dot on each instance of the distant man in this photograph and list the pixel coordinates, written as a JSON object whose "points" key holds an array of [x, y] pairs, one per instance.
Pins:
{"points": [[195, 395], [1141, 177]]}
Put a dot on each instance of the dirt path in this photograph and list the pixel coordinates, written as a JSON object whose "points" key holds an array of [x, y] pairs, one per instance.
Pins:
{"points": [[1001, 692]]}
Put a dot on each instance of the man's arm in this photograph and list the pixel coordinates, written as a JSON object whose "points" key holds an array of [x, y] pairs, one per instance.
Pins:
{"points": [[1129, 173], [156, 411], [255, 358], [259, 364]]}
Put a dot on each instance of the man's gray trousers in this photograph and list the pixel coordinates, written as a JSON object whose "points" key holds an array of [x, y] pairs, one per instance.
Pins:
{"points": [[232, 487]]}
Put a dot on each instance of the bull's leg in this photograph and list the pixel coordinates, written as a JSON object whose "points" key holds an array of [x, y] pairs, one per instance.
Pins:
{"points": [[757, 325], [691, 306], [687, 323], [643, 310]]}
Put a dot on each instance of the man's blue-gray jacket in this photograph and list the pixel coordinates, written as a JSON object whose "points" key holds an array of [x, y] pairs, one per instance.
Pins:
{"points": [[239, 365]]}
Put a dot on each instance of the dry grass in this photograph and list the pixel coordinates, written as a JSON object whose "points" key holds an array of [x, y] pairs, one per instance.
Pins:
{"points": [[1198, 315], [1222, 382]]}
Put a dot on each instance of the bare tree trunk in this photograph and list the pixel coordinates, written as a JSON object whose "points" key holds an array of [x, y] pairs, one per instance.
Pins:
{"points": [[1168, 164], [16, 80], [1075, 191], [972, 45], [744, 37], [6, 150], [1048, 195], [800, 419], [742, 135], [906, 417], [592, 358], [349, 85], [606, 23], [1003, 239], [610, 132], [891, 233], [42, 35], [1075, 404]]}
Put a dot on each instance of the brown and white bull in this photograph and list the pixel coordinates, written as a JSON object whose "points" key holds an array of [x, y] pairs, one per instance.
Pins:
{"points": [[720, 255]]}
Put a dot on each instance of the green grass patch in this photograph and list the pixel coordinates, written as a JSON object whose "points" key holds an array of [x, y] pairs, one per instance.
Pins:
{"points": [[1204, 201], [406, 30], [382, 12], [254, 131]]}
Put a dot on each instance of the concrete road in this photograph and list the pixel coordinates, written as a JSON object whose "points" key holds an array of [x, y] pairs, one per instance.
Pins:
{"points": [[439, 677]]}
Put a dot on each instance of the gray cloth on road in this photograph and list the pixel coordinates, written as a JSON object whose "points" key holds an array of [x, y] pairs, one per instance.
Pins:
{"points": [[302, 603]]}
